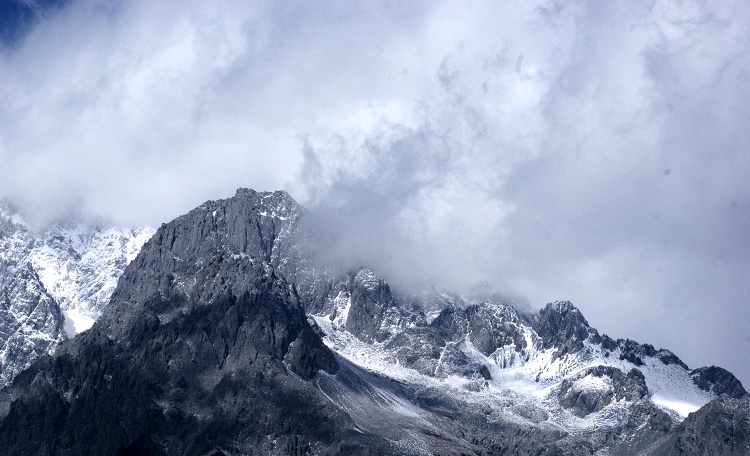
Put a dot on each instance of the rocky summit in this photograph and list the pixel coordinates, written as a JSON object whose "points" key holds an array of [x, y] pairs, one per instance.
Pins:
{"points": [[225, 337]]}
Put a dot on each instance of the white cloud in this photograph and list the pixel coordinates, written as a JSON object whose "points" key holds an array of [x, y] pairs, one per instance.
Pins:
{"points": [[595, 151]]}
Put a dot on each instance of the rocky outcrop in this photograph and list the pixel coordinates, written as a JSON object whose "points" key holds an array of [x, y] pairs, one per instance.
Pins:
{"points": [[417, 348], [439, 348], [594, 388], [488, 326], [561, 325], [720, 427], [454, 361], [634, 352], [718, 381]]}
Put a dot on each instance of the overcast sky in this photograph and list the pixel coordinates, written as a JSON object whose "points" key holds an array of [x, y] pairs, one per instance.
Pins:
{"points": [[592, 151]]}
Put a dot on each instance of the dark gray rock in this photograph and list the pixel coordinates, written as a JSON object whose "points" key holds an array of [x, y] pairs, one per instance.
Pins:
{"points": [[721, 427], [452, 324], [453, 361], [373, 311], [492, 326], [436, 349], [418, 348], [584, 401], [561, 325], [718, 381], [487, 325], [373, 314], [634, 352]]}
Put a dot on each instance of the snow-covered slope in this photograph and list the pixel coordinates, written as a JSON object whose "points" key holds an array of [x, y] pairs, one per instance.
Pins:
{"points": [[55, 282], [548, 369], [80, 265]]}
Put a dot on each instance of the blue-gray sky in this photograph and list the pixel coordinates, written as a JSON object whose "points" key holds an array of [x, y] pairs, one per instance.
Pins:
{"points": [[584, 150]]}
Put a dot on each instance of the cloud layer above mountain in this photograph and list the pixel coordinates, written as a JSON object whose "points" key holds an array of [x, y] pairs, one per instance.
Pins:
{"points": [[591, 151]]}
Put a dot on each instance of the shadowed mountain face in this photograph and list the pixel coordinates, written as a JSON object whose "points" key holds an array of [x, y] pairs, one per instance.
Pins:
{"points": [[206, 349], [202, 341], [720, 427]]}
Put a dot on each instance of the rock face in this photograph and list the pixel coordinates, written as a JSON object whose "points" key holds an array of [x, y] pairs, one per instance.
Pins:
{"points": [[204, 349], [224, 338], [54, 283], [592, 389], [718, 381], [720, 427], [31, 323], [561, 325]]}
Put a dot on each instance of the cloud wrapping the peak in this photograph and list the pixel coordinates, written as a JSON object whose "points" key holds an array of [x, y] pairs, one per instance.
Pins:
{"points": [[583, 150]]}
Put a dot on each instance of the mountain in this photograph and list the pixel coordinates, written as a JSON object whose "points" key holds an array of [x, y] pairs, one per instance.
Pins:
{"points": [[55, 282], [225, 337]]}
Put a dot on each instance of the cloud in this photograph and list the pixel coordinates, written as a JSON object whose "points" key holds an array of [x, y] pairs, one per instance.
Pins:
{"points": [[592, 151], [603, 164]]}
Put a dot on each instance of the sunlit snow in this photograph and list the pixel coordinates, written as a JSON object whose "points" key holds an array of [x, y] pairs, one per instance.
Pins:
{"points": [[530, 376], [681, 407], [76, 322]]}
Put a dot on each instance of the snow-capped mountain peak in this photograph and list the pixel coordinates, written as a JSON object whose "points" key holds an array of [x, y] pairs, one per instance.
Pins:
{"points": [[225, 339]]}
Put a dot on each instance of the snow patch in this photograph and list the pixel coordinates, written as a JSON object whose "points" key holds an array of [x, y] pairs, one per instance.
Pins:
{"points": [[341, 305], [76, 322], [681, 407], [592, 383]]}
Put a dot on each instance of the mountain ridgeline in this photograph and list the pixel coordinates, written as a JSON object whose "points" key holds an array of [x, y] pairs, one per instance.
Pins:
{"points": [[224, 337]]}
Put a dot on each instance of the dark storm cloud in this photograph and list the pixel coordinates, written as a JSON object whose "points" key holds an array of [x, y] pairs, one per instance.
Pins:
{"points": [[592, 151]]}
